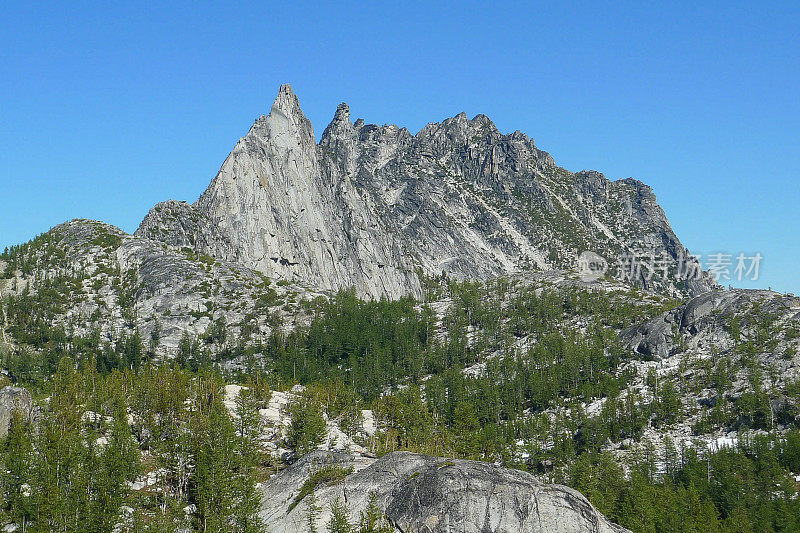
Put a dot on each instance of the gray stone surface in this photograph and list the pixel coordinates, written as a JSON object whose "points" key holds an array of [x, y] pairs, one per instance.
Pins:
{"points": [[124, 283], [429, 494], [371, 205], [13, 399], [705, 320]]}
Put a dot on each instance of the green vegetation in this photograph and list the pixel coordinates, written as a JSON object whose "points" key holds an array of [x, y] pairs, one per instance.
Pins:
{"points": [[307, 430], [326, 474], [548, 387], [71, 471], [371, 521], [745, 488]]}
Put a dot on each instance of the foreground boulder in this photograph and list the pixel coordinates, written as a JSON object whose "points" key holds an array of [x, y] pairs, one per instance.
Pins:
{"points": [[428, 495]]}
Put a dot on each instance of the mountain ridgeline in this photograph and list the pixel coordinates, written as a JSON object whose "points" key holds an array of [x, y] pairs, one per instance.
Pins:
{"points": [[377, 208]]}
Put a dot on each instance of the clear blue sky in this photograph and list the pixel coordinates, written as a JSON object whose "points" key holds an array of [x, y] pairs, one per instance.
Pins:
{"points": [[107, 110]]}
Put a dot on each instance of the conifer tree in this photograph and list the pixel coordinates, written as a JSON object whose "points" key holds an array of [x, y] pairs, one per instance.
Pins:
{"points": [[339, 521], [15, 476], [313, 512], [308, 428], [372, 519]]}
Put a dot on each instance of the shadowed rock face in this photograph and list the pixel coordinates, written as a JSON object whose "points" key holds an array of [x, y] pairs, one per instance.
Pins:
{"points": [[432, 495], [371, 205]]}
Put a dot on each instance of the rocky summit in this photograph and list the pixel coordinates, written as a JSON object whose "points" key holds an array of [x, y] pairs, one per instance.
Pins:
{"points": [[375, 207]]}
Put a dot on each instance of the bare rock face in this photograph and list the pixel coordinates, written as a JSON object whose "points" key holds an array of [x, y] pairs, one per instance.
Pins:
{"points": [[272, 207], [13, 399], [706, 319], [372, 206], [432, 495]]}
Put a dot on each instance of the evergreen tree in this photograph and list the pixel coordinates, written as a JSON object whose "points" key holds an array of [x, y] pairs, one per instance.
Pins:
{"points": [[15, 476], [308, 428], [372, 520], [313, 512], [248, 432], [339, 521], [214, 452]]}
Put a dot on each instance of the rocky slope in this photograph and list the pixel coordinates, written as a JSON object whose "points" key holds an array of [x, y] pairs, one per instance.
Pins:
{"points": [[94, 279], [288, 220], [372, 206], [428, 494], [732, 354], [705, 321]]}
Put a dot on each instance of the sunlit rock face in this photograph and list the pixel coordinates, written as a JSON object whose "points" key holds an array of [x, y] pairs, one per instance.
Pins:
{"points": [[430, 494], [372, 207]]}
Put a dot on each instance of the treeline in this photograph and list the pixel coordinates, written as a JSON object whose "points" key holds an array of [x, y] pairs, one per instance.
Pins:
{"points": [[371, 345], [96, 434], [376, 345], [72, 469], [28, 256], [743, 488]]}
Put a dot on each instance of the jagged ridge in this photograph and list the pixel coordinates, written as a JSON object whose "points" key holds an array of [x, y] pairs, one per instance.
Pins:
{"points": [[372, 206]]}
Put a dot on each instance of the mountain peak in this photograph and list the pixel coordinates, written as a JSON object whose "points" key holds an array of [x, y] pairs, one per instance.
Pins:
{"points": [[369, 205], [339, 127], [483, 120], [342, 112], [285, 116], [286, 89], [286, 102]]}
